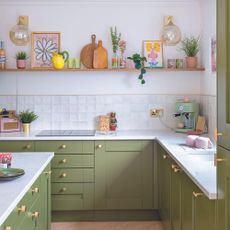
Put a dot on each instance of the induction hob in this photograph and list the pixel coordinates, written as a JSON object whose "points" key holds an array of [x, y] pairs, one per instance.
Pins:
{"points": [[49, 133]]}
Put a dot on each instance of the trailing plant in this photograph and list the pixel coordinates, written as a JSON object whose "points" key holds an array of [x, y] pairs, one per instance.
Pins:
{"points": [[190, 45], [115, 37], [27, 116], [21, 55], [139, 64]]}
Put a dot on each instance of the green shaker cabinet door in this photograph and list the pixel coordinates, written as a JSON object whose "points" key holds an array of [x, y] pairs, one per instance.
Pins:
{"points": [[16, 146], [223, 72], [123, 175]]}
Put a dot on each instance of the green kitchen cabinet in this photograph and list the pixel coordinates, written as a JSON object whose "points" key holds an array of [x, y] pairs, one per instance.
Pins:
{"points": [[223, 72], [164, 186], [123, 175], [16, 146]]}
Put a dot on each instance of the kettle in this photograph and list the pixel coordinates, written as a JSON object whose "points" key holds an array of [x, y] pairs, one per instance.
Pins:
{"points": [[59, 59]]}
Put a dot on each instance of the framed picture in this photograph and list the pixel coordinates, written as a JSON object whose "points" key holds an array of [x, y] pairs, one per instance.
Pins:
{"points": [[213, 55], [43, 44], [152, 50]]}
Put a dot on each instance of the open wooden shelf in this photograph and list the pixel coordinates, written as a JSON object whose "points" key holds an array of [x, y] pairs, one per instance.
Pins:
{"points": [[99, 70]]}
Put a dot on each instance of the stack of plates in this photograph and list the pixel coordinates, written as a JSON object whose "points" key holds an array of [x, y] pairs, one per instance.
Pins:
{"points": [[10, 173]]}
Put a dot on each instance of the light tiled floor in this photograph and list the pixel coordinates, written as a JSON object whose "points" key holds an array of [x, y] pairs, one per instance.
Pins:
{"points": [[131, 225]]}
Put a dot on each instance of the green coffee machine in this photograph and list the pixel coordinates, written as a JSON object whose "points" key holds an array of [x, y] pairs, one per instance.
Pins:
{"points": [[186, 114]]}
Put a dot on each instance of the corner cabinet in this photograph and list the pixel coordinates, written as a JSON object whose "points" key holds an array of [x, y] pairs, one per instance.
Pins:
{"points": [[123, 175]]}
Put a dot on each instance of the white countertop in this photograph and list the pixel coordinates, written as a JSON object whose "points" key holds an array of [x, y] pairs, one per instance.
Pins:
{"points": [[200, 169], [11, 192]]}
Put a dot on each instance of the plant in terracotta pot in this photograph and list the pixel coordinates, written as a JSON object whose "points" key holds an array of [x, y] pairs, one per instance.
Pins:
{"points": [[21, 58], [191, 46], [26, 117]]}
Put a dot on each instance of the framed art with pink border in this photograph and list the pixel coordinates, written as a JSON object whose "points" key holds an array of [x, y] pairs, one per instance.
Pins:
{"points": [[43, 44]]}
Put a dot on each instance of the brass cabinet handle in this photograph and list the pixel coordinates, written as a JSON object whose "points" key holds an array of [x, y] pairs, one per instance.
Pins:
{"points": [[177, 170], [27, 146], [197, 194], [35, 190], [63, 175], [35, 215], [8, 228], [63, 161], [99, 146], [217, 134], [48, 172], [164, 156], [63, 146], [63, 189], [216, 159], [22, 208], [174, 166]]}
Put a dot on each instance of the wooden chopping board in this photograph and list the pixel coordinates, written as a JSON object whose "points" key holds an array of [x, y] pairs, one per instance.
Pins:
{"points": [[100, 58], [87, 53]]}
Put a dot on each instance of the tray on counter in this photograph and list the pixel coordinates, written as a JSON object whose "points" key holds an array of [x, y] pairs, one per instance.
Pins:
{"points": [[10, 173]]}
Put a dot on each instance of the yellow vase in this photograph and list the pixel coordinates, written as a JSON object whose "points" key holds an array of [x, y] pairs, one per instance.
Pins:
{"points": [[59, 59]]}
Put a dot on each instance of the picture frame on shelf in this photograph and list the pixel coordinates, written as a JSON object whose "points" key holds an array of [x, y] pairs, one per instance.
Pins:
{"points": [[43, 44], [153, 51]]}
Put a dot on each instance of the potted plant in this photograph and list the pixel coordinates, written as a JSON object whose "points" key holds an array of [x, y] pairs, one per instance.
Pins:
{"points": [[190, 45], [26, 117], [139, 64], [115, 38], [21, 58]]}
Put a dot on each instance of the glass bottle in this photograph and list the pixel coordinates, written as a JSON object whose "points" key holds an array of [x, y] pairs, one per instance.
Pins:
{"points": [[122, 61], [115, 60], [2, 56]]}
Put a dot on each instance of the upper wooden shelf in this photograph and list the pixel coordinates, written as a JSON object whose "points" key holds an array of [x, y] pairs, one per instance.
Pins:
{"points": [[100, 70]]}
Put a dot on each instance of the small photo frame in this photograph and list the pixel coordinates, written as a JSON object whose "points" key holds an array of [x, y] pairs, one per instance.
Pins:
{"points": [[43, 44], [153, 51]]}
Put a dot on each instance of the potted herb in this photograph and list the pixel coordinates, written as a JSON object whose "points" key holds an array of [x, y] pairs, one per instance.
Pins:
{"points": [[26, 117], [115, 38], [191, 46], [21, 58], [139, 64]]}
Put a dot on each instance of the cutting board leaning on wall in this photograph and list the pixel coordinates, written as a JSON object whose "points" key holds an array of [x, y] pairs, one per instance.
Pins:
{"points": [[100, 58]]}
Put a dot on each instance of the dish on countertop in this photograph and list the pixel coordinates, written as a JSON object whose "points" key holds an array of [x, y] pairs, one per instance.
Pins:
{"points": [[10, 173]]}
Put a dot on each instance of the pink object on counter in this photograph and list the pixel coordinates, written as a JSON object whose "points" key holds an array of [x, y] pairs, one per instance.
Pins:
{"points": [[9, 125], [203, 143], [190, 140], [130, 64]]}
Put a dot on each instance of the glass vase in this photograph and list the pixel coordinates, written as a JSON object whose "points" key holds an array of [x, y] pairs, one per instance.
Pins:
{"points": [[122, 61], [115, 61]]}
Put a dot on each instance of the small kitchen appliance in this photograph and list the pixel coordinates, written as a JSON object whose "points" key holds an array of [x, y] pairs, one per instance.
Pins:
{"points": [[186, 114]]}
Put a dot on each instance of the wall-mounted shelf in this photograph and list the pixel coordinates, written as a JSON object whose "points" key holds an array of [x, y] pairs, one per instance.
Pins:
{"points": [[100, 70]]}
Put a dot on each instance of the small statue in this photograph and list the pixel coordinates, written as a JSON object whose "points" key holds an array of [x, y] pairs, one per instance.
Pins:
{"points": [[113, 121]]}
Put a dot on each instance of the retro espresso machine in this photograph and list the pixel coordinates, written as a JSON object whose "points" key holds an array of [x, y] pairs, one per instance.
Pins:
{"points": [[186, 114]]}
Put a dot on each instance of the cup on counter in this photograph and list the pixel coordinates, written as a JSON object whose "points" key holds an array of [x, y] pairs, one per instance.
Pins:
{"points": [[179, 63], [5, 160], [171, 63]]}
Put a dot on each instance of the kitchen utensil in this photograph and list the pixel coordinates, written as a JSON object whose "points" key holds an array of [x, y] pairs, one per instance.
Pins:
{"points": [[87, 53], [100, 57], [10, 173]]}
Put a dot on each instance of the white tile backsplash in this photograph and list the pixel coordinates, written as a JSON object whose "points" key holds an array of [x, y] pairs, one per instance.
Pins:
{"points": [[80, 112]]}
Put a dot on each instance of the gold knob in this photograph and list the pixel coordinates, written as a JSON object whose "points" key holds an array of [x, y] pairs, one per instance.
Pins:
{"points": [[174, 166], [216, 159], [99, 146], [35, 215], [35, 190], [197, 194], [63, 146], [176, 170], [22, 208], [27, 147], [217, 134], [63, 161], [164, 156], [8, 228], [48, 172], [63, 189], [63, 175]]}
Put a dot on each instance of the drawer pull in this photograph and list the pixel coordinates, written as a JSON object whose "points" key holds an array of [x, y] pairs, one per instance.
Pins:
{"points": [[176, 170], [8, 228], [35, 190], [99, 146], [35, 215], [174, 166], [27, 146], [63, 146], [22, 208], [48, 172], [63, 189], [63, 161], [164, 156], [197, 194], [63, 175]]}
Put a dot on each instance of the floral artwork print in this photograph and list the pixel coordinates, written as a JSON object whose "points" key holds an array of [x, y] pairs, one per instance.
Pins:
{"points": [[152, 50], [43, 45]]}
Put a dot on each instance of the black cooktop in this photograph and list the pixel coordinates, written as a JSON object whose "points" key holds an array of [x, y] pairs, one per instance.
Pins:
{"points": [[66, 133]]}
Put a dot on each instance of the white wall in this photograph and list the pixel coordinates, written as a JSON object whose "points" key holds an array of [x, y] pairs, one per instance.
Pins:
{"points": [[136, 21]]}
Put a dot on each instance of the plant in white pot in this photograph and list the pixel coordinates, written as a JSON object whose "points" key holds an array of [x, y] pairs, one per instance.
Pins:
{"points": [[21, 58], [191, 46], [26, 117]]}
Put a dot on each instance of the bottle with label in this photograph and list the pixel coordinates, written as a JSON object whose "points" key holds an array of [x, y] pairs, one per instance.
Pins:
{"points": [[2, 56]]}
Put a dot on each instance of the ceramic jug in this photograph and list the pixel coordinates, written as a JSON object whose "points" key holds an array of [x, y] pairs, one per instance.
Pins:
{"points": [[59, 59]]}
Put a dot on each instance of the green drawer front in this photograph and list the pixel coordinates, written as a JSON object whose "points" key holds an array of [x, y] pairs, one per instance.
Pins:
{"points": [[16, 146], [67, 161], [72, 175], [71, 188], [75, 147], [123, 146], [83, 200]]}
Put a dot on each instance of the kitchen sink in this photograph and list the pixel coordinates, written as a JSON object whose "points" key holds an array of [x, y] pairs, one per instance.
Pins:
{"points": [[49, 133]]}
